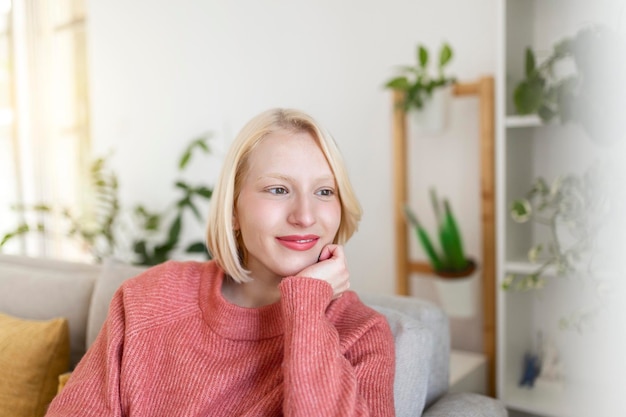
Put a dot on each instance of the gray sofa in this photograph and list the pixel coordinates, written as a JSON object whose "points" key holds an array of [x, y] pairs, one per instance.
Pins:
{"points": [[35, 288]]}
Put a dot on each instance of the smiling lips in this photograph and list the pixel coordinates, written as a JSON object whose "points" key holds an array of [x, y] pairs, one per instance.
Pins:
{"points": [[300, 243]]}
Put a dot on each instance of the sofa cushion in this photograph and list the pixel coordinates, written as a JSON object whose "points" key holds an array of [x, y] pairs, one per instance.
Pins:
{"points": [[32, 356], [112, 274], [41, 289]]}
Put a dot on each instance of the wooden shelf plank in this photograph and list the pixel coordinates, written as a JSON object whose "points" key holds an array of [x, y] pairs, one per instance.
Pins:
{"points": [[420, 267]]}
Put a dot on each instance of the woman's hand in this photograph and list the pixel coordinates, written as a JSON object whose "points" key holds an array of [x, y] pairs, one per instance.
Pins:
{"points": [[331, 268]]}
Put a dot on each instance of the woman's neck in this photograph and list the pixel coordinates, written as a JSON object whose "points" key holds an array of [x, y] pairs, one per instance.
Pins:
{"points": [[254, 294]]}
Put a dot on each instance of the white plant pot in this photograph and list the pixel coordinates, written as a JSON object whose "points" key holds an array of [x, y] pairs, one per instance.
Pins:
{"points": [[433, 116], [459, 296]]}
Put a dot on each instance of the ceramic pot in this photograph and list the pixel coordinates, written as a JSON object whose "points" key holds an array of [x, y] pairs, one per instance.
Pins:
{"points": [[458, 291], [433, 116]]}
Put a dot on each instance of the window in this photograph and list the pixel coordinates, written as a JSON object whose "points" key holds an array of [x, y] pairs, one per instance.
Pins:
{"points": [[44, 119]]}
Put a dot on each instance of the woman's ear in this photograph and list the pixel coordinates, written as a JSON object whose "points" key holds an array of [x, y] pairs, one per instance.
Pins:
{"points": [[235, 222]]}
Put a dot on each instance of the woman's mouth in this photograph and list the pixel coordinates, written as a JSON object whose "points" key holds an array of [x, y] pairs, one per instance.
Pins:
{"points": [[297, 242]]}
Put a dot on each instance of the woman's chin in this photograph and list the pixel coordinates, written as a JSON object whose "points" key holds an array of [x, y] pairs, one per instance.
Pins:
{"points": [[296, 268]]}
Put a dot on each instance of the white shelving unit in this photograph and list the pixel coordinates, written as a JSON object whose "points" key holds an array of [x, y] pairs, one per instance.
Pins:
{"points": [[526, 149]]}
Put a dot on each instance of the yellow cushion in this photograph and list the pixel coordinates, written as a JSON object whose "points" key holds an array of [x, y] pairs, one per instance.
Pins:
{"points": [[63, 378], [32, 356]]}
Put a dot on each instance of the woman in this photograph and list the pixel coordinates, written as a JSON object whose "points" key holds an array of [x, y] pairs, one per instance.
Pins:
{"points": [[268, 327]]}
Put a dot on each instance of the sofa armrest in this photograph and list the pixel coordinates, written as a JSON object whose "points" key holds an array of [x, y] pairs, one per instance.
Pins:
{"points": [[466, 405], [435, 322]]}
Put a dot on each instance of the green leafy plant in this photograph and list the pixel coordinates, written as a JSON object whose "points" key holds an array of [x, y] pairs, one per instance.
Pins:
{"points": [[591, 93], [151, 252], [540, 92], [450, 258], [101, 229], [94, 228], [416, 81], [563, 208]]}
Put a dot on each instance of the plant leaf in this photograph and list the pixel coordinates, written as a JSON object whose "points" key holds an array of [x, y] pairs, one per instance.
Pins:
{"points": [[422, 56], [528, 96], [546, 113], [184, 160], [20, 230], [201, 143], [195, 210], [174, 232], [424, 239], [204, 192], [398, 83], [182, 186], [534, 253], [197, 247], [530, 62], [451, 240], [521, 210], [445, 55]]}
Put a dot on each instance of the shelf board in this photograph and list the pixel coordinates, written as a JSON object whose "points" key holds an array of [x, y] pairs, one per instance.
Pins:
{"points": [[545, 401], [464, 365], [526, 268], [531, 120]]}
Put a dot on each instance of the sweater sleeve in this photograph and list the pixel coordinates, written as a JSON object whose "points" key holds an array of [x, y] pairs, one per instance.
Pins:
{"points": [[93, 388], [323, 378]]}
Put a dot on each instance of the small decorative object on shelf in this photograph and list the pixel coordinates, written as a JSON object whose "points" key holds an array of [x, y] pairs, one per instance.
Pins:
{"points": [[551, 372], [450, 261], [426, 96], [530, 370]]}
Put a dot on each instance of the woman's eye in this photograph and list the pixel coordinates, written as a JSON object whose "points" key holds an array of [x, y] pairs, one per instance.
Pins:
{"points": [[277, 190], [326, 192]]}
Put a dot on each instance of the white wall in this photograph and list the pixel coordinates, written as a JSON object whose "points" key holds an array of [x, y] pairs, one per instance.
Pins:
{"points": [[164, 72]]}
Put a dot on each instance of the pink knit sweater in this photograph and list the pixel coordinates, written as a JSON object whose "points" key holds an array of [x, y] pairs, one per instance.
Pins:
{"points": [[173, 346]]}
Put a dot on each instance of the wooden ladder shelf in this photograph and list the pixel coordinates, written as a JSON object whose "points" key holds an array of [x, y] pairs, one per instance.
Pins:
{"points": [[484, 90]]}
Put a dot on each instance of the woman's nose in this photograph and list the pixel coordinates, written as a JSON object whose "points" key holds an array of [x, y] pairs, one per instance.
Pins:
{"points": [[302, 212]]}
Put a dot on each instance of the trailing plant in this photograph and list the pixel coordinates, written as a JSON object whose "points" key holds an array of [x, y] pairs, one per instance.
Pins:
{"points": [[103, 231], [450, 257], [417, 82], [562, 207]]}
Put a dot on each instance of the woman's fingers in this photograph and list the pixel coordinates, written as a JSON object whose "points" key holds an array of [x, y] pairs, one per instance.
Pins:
{"points": [[331, 268]]}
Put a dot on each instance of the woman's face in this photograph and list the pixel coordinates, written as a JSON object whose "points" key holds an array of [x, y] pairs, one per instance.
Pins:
{"points": [[288, 208]]}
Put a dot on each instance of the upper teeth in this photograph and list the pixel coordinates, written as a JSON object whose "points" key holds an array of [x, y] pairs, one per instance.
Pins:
{"points": [[304, 241]]}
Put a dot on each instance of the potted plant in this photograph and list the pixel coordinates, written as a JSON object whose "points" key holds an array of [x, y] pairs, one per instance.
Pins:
{"points": [[449, 260], [562, 207], [154, 236], [582, 80], [574, 211], [426, 96]]}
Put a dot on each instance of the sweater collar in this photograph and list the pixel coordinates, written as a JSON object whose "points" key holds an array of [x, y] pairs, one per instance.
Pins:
{"points": [[232, 321]]}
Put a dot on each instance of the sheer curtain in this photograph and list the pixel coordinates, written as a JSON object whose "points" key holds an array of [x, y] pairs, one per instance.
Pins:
{"points": [[44, 121]]}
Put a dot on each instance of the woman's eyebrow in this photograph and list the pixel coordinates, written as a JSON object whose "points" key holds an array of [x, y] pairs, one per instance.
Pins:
{"points": [[291, 179], [276, 176]]}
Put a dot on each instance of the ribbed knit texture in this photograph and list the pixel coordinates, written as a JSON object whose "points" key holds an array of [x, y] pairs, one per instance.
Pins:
{"points": [[173, 346]]}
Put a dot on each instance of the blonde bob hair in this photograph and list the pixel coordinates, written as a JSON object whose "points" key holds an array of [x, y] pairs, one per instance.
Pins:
{"points": [[223, 244]]}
